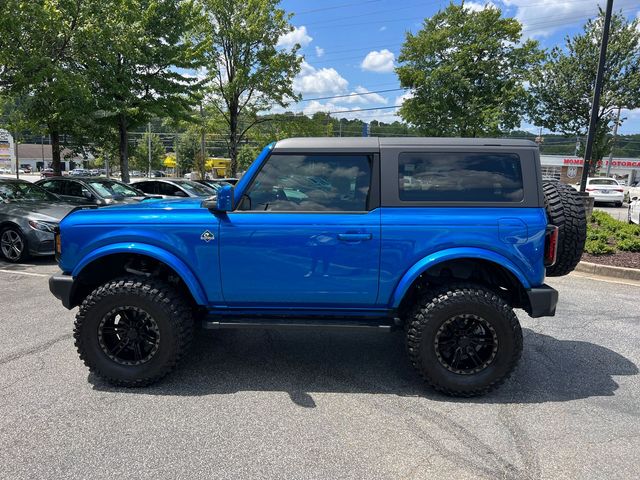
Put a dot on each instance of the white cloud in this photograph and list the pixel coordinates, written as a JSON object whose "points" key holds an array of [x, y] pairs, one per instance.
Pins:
{"points": [[381, 61], [478, 7], [364, 97], [319, 51], [544, 17], [401, 98], [319, 81], [298, 35], [382, 28]]}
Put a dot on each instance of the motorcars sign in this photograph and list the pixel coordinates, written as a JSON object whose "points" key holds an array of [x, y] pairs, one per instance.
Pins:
{"points": [[7, 151]]}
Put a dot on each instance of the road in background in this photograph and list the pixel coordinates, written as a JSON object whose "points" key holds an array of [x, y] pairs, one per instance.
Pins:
{"points": [[265, 404]]}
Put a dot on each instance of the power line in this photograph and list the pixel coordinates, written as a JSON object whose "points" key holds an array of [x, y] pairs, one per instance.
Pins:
{"points": [[335, 7]]}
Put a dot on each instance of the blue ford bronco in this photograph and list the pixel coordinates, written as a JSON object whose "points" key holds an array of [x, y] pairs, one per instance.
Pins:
{"points": [[440, 237]]}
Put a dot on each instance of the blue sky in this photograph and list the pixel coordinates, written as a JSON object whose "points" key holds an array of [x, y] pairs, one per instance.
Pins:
{"points": [[352, 47]]}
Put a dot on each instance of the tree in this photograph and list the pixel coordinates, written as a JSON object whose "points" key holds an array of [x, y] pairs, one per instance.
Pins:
{"points": [[563, 87], [246, 156], [39, 65], [134, 56], [187, 146], [467, 72], [158, 153], [247, 72]]}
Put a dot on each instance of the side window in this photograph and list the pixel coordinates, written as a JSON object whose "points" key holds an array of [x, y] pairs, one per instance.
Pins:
{"points": [[73, 189], [168, 189], [311, 183], [146, 187], [52, 186], [460, 177]]}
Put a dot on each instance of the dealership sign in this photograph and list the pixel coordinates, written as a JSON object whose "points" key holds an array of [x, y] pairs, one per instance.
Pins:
{"points": [[616, 163], [7, 152]]}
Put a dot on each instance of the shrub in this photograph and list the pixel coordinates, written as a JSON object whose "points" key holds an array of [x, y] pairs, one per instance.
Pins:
{"points": [[598, 247], [629, 245]]}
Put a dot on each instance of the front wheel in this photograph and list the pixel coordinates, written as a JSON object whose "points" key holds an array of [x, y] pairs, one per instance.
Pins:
{"points": [[464, 340], [132, 331], [13, 245]]}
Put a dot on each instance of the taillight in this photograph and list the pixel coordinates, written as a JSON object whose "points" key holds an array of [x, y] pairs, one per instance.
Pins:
{"points": [[551, 246], [590, 189], [57, 242], [619, 189]]}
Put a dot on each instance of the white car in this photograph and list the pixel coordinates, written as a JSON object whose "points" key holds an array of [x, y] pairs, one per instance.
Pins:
{"points": [[634, 209], [604, 189]]}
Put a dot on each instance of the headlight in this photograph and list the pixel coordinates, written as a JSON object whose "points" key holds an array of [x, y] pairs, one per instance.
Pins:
{"points": [[42, 226]]}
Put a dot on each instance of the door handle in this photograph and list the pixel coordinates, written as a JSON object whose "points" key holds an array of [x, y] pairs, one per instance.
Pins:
{"points": [[354, 237]]}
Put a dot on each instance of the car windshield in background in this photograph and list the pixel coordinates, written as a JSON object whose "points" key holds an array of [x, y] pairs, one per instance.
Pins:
{"points": [[113, 189], [19, 191], [602, 181], [197, 189]]}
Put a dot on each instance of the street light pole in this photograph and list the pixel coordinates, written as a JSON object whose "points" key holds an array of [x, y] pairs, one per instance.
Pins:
{"points": [[613, 141], [596, 96], [149, 147]]}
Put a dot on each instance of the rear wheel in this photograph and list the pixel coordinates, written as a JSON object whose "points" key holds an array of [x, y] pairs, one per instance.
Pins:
{"points": [[133, 331], [565, 210], [464, 340], [13, 245]]}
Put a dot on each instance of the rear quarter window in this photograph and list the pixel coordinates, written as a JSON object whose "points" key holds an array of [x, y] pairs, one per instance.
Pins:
{"points": [[460, 177]]}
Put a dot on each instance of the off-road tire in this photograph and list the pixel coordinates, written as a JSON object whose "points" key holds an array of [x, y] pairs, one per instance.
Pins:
{"points": [[163, 303], [565, 210], [440, 305]]}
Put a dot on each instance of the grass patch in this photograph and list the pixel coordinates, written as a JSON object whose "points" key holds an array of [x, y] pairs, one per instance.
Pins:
{"points": [[606, 235]]}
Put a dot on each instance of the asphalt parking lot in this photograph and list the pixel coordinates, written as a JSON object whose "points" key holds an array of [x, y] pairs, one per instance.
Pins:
{"points": [[322, 405]]}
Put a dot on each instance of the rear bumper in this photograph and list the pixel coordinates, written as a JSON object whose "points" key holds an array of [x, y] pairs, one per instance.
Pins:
{"points": [[62, 286], [542, 301], [607, 197]]}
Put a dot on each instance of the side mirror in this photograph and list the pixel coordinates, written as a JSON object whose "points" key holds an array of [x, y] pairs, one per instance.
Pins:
{"points": [[86, 194], [222, 201]]}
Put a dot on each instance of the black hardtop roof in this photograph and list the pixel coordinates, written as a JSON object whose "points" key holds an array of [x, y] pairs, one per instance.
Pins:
{"points": [[374, 143]]}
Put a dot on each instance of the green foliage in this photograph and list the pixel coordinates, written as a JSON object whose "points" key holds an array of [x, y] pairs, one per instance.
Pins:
{"points": [[466, 70], [629, 245], [247, 72], [158, 153], [39, 65], [133, 55], [187, 147], [246, 156], [598, 247], [563, 87], [606, 235]]}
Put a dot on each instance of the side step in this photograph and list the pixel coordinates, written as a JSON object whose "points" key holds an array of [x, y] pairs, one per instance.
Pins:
{"points": [[380, 325]]}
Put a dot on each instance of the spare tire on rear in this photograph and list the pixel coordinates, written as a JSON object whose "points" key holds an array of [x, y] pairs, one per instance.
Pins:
{"points": [[565, 210]]}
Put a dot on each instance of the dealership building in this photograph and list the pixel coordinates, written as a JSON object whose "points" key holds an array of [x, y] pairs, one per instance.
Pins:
{"points": [[568, 169], [36, 156]]}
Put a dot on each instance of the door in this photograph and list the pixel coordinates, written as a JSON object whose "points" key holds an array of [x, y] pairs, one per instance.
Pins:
{"points": [[306, 233], [74, 192]]}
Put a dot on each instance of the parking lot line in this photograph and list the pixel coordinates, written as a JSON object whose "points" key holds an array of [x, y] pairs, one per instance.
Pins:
{"points": [[29, 274]]}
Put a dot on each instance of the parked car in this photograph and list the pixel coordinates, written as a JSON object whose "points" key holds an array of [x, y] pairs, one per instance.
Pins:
{"points": [[445, 258], [28, 216], [92, 190], [634, 209], [606, 190], [5, 171], [47, 172], [79, 172], [215, 184], [158, 174], [175, 188], [136, 173]]}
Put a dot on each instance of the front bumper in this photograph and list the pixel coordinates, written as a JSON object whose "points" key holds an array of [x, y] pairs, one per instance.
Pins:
{"points": [[63, 286], [542, 301]]}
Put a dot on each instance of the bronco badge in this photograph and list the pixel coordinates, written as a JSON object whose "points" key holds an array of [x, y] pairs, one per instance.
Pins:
{"points": [[207, 236]]}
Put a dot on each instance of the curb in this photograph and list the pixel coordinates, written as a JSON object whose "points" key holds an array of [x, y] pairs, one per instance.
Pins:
{"points": [[608, 271]]}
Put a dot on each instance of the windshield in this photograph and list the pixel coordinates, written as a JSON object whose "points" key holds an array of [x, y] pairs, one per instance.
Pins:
{"points": [[12, 191], [602, 181], [197, 189], [112, 189]]}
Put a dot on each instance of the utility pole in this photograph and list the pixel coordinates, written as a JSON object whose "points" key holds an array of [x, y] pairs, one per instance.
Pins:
{"points": [[15, 146], [613, 141], [149, 147], [202, 146], [596, 96]]}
